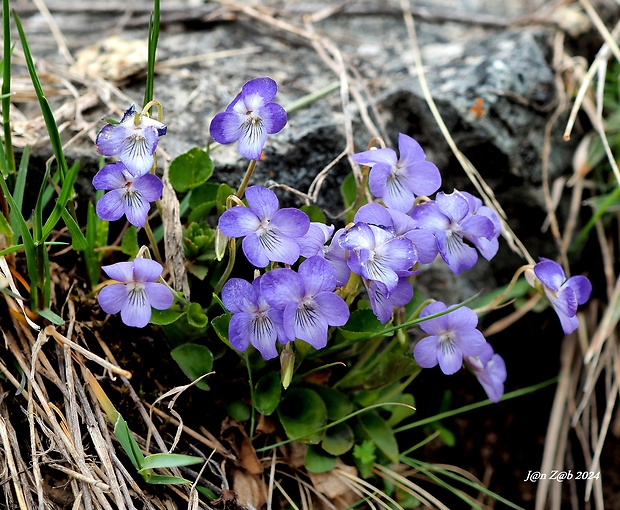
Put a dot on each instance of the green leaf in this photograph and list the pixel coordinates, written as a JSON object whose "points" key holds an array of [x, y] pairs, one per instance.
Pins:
{"points": [[392, 367], [267, 393], [361, 323], [127, 441], [97, 237], [220, 326], [153, 37], [302, 412], [66, 192], [196, 316], [198, 270], [195, 360], [190, 170], [238, 410], [168, 460], [337, 403], [51, 316], [364, 456], [165, 317], [78, 239], [314, 213], [338, 440], [164, 479], [378, 431], [5, 227], [317, 461], [129, 243], [204, 194], [348, 190]]}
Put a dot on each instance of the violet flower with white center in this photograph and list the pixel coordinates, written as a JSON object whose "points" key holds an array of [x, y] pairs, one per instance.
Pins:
{"points": [[270, 234], [399, 180], [254, 321], [136, 293], [307, 300], [382, 304], [250, 117], [134, 143], [450, 220], [313, 241], [127, 194], [376, 254], [487, 247], [490, 370], [564, 294], [451, 336], [402, 225]]}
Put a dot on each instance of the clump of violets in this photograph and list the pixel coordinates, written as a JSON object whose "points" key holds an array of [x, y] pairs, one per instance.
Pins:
{"points": [[398, 180], [136, 293], [134, 140], [451, 337], [128, 194], [270, 234], [564, 294], [250, 117]]}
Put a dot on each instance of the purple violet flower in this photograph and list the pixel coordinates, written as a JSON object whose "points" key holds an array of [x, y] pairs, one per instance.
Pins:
{"points": [[450, 219], [127, 194], [250, 117], [270, 234], [135, 143], [313, 244], [376, 254], [564, 294], [398, 180], [313, 241], [383, 305], [401, 225], [136, 293], [254, 321], [490, 370], [487, 247], [307, 300], [452, 336]]}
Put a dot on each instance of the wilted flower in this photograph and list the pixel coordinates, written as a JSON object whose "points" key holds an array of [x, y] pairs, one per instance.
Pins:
{"points": [[136, 293], [490, 370], [564, 294], [270, 233], [134, 141], [398, 180], [307, 300], [451, 220], [127, 194], [250, 118], [254, 321], [452, 336]]}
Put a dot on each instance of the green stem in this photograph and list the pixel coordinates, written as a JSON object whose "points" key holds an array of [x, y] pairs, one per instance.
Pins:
{"points": [[149, 234], [246, 178], [252, 416], [232, 248]]}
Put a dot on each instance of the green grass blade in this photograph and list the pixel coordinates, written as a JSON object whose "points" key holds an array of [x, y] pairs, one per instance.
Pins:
{"points": [[153, 38], [46, 110], [78, 240], [18, 191], [6, 86], [65, 194]]}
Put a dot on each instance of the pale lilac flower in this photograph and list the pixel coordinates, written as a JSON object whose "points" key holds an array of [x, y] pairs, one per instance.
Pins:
{"points": [[490, 370], [250, 118], [452, 222], [564, 294], [383, 304], [307, 300], [401, 225], [398, 180], [254, 321], [313, 243], [134, 143], [451, 336], [270, 234], [487, 247], [127, 195], [376, 254], [136, 293]]}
